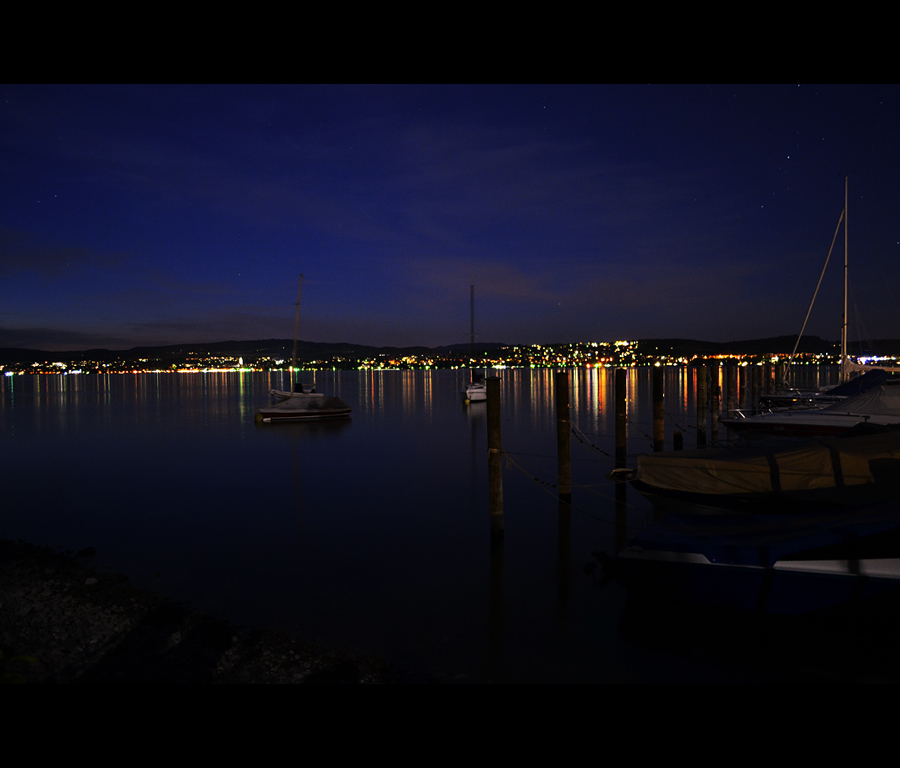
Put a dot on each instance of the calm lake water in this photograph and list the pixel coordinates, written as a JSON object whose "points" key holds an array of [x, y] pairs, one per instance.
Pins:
{"points": [[370, 534]]}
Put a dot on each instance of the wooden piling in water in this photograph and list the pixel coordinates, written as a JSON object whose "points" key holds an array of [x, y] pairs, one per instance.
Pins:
{"points": [[621, 416], [563, 439], [714, 405], [621, 408], [731, 388], [732, 396], [621, 516], [754, 388], [702, 405], [495, 464], [659, 411]]}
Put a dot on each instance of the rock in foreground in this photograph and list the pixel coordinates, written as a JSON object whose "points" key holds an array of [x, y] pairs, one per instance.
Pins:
{"points": [[82, 626]]}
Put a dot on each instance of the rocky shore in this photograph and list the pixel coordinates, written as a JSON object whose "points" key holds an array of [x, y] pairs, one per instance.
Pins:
{"points": [[63, 622]]}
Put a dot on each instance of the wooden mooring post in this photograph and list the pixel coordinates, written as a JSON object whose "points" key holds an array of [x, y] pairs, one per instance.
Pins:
{"points": [[495, 489], [495, 457], [621, 405], [732, 396], [564, 486], [731, 391], [621, 416], [755, 376], [715, 398], [702, 405], [563, 439], [659, 411]]}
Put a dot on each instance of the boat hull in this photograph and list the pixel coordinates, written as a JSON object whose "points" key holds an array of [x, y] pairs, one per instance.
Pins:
{"points": [[267, 418], [309, 408], [803, 424], [773, 564], [878, 406], [475, 393], [281, 395]]}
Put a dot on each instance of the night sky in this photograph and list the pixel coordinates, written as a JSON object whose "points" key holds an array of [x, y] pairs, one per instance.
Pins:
{"points": [[151, 215]]}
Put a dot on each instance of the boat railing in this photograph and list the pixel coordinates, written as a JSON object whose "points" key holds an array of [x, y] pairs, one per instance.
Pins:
{"points": [[746, 413]]}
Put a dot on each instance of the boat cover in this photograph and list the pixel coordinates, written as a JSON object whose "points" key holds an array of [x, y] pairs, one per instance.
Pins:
{"points": [[883, 400], [859, 384], [780, 467]]}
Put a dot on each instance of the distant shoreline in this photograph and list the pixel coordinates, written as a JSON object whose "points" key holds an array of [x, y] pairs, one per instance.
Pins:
{"points": [[274, 355]]}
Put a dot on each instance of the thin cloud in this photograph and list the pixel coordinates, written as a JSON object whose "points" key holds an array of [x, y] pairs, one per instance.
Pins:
{"points": [[27, 253]]}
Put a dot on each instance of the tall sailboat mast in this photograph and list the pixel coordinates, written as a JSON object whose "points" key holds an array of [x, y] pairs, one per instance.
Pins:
{"points": [[844, 367], [472, 320], [296, 326]]}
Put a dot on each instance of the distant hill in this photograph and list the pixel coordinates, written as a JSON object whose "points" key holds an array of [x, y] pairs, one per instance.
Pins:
{"points": [[310, 350], [251, 350], [782, 345]]}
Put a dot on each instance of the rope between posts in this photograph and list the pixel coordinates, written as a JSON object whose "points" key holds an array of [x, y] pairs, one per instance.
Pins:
{"points": [[576, 430], [511, 463]]}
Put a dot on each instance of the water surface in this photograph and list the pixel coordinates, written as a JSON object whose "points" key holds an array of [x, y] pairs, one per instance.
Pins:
{"points": [[371, 533]]}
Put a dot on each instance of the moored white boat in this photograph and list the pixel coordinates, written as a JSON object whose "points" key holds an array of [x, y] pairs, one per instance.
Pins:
{"points": [[301, 404], [849, 367], [475, 391]]}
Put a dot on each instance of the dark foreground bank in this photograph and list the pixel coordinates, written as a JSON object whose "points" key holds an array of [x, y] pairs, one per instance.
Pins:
{"points": [[83, 626]]}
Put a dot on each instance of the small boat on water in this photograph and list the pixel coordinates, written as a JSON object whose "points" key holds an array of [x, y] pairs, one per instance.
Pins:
{"points": [[879, 406], [299, 391], [301, 404], [778, 564], [806, 399], [304, 407], [476, 390]]}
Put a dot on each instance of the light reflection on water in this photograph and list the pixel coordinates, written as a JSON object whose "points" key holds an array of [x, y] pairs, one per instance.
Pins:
{"points": [[370, 533]]}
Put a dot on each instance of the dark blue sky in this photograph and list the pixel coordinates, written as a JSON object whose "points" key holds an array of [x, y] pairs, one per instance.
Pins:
{"points": [[163, 214]]}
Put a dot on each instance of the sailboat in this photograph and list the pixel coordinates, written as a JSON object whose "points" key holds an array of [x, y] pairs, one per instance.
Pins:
{"points": [[878, 406], [476, 390], [301, 403], [848, 366], [298, 389]]}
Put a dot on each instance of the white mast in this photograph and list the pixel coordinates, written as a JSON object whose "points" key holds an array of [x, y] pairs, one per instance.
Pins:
{"points": [[472, 320], [296, 326], [844, 366]]}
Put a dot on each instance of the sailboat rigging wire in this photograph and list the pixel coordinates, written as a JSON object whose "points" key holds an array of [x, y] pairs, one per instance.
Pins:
{"points": [[797, 343]]}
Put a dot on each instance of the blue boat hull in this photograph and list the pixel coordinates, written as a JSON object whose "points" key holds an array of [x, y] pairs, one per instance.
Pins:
{"points": [[776, 564]]}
